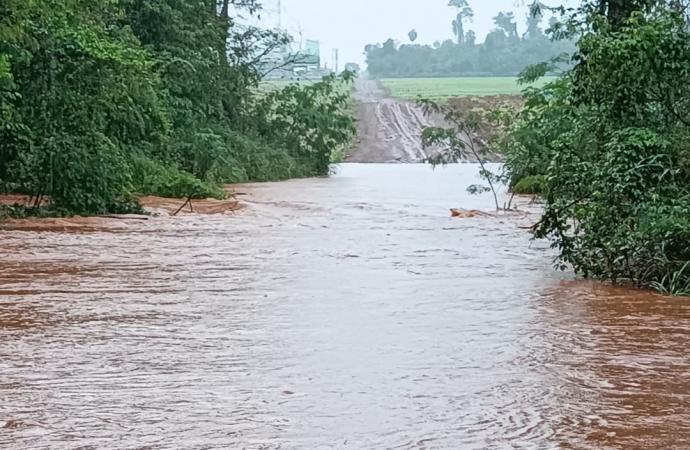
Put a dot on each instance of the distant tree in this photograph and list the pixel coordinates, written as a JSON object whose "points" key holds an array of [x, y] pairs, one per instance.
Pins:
{"points": [[389, 47], [534, 20], [464, 13], [352, 67], [470, 38], [537, 8], [505, 22], [412, 35], [501, 53]]}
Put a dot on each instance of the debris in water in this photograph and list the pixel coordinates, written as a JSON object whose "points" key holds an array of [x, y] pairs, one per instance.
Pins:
{"points": [[467, 213], [13, 424]]}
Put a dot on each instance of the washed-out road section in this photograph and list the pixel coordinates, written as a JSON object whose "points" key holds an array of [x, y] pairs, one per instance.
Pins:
{"points": [[349, 312], [389, 129]]}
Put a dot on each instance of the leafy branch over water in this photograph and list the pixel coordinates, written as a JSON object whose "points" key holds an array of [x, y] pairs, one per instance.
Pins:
{"points": [[463, 140]]}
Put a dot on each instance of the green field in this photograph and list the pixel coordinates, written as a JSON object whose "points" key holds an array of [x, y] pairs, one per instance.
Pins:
{"points": [[279, 84], [440, 89]]}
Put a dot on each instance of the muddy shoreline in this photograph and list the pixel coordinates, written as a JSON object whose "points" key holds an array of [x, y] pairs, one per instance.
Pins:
{"points": [[389, 131], [156, 208]]}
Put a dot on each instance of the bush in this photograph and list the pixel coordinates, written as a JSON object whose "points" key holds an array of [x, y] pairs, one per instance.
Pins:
{"points": [[606, 146], [152, 178]]}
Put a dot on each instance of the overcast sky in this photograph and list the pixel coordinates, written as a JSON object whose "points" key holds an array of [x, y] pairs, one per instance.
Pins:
{"points": [[349, 25]]}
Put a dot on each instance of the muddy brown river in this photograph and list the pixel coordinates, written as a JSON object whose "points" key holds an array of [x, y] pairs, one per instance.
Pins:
{"points": [[344, 313]]}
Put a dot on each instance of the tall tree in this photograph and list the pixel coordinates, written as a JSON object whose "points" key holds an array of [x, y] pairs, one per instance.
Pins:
{"points": [[464, 13], [606, 146], [618, 11], [534, 20], [412, 35], [506, 22]]}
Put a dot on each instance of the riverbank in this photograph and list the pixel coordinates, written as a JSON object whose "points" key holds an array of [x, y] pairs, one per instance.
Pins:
{"points": [[247, 199], [154, 207]]}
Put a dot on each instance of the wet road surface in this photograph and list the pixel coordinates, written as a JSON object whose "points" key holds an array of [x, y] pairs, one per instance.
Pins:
{"points": [[343, 313]]}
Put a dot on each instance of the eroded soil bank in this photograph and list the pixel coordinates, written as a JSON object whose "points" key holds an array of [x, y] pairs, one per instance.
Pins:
{"points": [[156, 207]]}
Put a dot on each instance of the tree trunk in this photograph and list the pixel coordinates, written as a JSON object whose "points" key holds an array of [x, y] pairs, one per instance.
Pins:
{"points": [[225, 19], [225, 11], [618, 11]]}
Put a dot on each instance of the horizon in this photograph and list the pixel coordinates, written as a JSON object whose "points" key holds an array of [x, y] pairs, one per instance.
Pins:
{"points": [[306, 19]]}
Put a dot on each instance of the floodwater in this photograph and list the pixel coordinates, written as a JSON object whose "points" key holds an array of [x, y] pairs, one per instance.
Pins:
{"points": [[343, 313]]}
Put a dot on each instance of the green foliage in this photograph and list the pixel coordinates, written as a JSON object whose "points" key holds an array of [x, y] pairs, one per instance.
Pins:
{"points": [[606, 146], [530, 185], [152, 178], [675, 283], [545, 119], [309, 121], [18, 211], [101, 100]]}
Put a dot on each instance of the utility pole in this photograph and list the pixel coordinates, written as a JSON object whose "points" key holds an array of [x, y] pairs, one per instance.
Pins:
{"points": [[335, 58]]}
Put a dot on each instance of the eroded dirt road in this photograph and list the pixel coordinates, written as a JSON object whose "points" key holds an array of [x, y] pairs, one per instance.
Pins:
{"points": [[389, 129]]}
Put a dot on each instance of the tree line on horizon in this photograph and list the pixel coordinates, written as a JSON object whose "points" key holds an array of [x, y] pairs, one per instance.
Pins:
{"points": [[503, 52]]}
